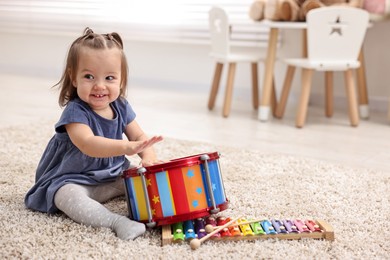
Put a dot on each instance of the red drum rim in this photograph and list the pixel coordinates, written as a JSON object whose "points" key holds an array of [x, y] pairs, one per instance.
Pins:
{"points": [[180, 162], [188, 216]]}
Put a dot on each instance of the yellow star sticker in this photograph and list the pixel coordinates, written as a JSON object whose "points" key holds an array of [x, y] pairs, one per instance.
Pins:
{"points": [[156, 199], [148, 182]]}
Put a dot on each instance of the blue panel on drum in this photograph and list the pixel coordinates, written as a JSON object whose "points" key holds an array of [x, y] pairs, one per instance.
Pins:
{"points": [[216, 180], [131, 197], [216, 183], [164, 189]]}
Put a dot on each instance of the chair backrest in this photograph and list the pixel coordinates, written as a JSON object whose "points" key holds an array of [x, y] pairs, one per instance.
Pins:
{"points": [[336, 33], [219, 31]]}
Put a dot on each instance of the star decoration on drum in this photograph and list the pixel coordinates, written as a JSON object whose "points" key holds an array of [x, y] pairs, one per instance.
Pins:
{"points": [[156, 199], [190, 173]]}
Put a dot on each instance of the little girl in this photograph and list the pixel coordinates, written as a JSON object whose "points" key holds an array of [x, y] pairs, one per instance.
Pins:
{"points": [[82, 164]]}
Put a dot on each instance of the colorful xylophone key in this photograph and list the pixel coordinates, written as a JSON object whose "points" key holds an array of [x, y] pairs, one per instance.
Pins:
{"points": [[301, 226], [267, 227], [257, 229], [225, 232], [312, 225], [177, 231], [245, 229], [290, 226], [222, 221], [189, 232], [279, 226], [229, 231], [212, 222], [200, 228], [234, 230]]}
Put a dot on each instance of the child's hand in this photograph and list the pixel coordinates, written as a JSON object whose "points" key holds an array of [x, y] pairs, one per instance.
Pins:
{"points": [[150, 162], [136, 147]]}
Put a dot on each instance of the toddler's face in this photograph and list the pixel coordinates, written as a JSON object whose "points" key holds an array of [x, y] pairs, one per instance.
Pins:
{"points": [[98, 77]]}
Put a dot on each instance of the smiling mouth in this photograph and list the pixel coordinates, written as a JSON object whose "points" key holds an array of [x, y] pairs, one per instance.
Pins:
{"points": [[99, 95]]}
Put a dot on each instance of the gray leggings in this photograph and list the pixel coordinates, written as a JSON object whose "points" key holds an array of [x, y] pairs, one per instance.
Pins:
{"points": [[82, 203]]}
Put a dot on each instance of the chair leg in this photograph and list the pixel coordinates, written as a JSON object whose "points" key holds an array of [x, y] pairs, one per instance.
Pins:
{"points": [[229, 89], [362, 87], [388, 112], [255, 86], [274, 101], [304, 99], [215, 85], [329, 93], [352, 98], [285, 92]]}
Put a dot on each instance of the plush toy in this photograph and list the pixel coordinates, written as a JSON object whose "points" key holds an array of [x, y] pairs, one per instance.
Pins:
{"points": [[292, 10], [311, 4], [378, 9], [275, 10]]}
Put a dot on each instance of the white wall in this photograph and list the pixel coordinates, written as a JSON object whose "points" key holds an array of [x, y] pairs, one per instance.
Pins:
{"points": [[187, 66]]}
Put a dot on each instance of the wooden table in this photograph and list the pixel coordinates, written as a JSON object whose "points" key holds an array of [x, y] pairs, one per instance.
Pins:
{"points": [[264, 108]]}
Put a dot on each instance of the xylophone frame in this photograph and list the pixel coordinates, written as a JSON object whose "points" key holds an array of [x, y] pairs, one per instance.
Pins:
{"points": [[327, 234]]}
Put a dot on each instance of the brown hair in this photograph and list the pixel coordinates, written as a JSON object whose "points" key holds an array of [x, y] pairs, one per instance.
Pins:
{"points": [[95, 41]]}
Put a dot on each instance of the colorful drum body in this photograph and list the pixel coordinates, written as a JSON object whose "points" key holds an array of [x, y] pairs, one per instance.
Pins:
{"points": [[179, 190]]}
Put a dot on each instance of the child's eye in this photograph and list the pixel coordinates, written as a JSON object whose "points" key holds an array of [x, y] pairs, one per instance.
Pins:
{"points": [[110, 78], [88, 76]]}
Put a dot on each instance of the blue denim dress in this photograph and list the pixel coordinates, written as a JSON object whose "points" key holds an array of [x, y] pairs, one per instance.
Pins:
{"points": [[62, 162]]}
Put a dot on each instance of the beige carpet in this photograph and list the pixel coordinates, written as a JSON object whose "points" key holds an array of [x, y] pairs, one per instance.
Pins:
{"points": [[355, 202]]}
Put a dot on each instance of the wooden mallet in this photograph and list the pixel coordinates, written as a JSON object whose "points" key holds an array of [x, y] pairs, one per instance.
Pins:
{"points": [[209, 228], [195, 243]]}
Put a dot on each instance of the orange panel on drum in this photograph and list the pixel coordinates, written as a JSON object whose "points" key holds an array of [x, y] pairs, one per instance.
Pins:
{"points": [[154, 196], [193, 182]]}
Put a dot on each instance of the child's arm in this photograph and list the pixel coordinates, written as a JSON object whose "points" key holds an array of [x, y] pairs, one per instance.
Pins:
{"points": [[84, 139], [135, 133]]}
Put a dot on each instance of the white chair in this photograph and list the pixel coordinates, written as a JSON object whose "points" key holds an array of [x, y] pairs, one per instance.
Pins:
{"points": [[334, 39], [220, 30]]}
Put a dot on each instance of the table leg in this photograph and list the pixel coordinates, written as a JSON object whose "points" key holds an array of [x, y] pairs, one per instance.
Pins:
{"points": [[264, 108], [304, 43], [362, 88]]}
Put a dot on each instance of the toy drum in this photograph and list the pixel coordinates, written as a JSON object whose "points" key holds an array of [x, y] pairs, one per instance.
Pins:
{"points": [[175, 191]]}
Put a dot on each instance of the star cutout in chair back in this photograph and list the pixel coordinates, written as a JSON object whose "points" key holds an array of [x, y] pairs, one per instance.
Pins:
{"points": [[337, 27]]}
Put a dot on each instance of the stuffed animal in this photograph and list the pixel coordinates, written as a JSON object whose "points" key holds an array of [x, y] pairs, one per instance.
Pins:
{"points": [[311, 4], [275, 10], [291, 10], [378, 9]]}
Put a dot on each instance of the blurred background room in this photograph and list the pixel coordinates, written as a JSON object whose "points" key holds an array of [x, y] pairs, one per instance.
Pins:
{"points": [[167, 45]]}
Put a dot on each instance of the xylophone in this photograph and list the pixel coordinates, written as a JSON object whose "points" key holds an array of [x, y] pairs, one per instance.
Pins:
{"points": [[219, 228]]}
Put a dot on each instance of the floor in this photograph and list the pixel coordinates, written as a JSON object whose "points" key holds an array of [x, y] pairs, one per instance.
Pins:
{"points": [[183, 114]]}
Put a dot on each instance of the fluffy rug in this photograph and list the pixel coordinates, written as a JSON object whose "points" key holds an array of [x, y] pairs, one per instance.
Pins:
{"points": [[354, 201]]}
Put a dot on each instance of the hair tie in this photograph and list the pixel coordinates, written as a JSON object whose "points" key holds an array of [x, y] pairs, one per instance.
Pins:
{"points": [[109, 36], [115, 36], [88, 31]]}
